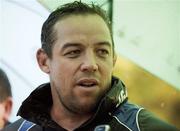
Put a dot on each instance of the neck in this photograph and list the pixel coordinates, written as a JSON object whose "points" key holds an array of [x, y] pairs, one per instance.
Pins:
{"points": [[2, 123], [67, 119]]}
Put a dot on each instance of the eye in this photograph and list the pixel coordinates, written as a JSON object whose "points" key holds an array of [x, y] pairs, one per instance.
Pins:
{"points": [[73, 53], [103, 52]]}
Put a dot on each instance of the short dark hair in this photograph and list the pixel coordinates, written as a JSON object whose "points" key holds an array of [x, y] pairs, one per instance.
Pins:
{"points": [[5, 87], [48, 34]]}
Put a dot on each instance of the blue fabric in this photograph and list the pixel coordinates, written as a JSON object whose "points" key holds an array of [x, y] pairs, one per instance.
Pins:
{"points": [[26, 125], [127, 115]]}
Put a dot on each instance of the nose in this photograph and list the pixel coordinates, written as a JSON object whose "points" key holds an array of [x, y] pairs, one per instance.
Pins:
{"points": [[89, 63]]}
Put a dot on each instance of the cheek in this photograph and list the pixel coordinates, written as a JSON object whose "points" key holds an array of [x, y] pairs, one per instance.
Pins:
{"points": [[60, 68], [63, 73], [106, 74], [106, 68]]}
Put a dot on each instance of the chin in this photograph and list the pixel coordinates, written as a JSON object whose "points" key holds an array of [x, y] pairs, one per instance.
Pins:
{"points": [[91, 106], [85, 108]]}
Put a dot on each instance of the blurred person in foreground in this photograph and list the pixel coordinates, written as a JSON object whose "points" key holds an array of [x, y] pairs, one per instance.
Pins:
{"points": [[5, 99], [78, 55]]}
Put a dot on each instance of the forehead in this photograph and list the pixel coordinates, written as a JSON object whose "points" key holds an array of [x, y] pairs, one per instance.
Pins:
{"points": [[75, 18], [89, 26]]}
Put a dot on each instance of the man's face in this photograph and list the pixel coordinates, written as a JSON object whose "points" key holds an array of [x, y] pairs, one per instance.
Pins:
{"points": [[82, 61]]}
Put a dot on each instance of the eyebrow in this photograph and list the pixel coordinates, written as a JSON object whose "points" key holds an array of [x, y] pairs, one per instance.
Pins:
{"points": [[71, 45], [104, 43]]}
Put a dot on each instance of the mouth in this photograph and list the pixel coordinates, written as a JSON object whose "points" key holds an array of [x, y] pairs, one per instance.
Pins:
{"points": [[87, 83]]}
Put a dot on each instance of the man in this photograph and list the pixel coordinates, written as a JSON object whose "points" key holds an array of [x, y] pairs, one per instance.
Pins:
{"points": [[5, 99], [78, 55]]}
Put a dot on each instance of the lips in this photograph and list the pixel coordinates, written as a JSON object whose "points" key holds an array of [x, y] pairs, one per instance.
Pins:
{"points": [[86, 82]]}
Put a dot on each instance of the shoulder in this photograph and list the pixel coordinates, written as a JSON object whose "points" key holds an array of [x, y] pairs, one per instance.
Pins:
{"points": [[149, 122], [136, 118], [22, 125], [127, 115]]}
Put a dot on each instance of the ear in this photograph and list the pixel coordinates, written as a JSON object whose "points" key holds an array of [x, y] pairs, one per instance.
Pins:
{"points": [[7, 108], [43, 60]]}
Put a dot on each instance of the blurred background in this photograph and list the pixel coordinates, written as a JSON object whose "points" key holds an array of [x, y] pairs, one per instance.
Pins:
{"points": [[147, 41]]}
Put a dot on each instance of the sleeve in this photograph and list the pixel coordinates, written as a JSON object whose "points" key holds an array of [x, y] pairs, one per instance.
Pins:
{"points": [[13, 126], [149, 122], [16, 126]]}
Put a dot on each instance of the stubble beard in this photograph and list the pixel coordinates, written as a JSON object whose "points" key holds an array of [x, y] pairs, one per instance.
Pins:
{"points": [[72, 105], [75, 107]]}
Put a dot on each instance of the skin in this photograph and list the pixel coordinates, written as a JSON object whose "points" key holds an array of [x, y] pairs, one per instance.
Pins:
{"points": [[80, 69], [5, 111]]}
